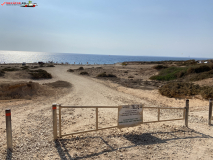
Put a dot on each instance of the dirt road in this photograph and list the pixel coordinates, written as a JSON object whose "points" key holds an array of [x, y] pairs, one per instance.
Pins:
{"points": [[32, 127]]}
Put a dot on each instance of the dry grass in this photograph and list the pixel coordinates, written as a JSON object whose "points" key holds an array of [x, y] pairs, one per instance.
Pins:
{"points": [[40, 74]]}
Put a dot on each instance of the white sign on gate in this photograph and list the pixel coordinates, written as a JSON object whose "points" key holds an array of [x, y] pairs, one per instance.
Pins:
{"points": [[129, 116]]}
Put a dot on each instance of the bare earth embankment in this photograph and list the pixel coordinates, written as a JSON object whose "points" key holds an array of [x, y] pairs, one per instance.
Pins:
{"points": [[32, 120]]}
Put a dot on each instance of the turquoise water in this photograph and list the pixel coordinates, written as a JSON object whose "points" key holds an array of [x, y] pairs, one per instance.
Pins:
{"points": [[30, 57]]}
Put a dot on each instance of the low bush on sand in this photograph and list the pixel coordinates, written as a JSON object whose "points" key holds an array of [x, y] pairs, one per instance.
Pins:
{"points": [[25, 67], [2, 73], [59, 84], [10, 69], [131, 77], [124, 64], [181, 90], [70, 70], [50, 65], [40, 74], [125, 71], [84, 73], [201, 76], [160, 66], [105, 75], [81, 68]]}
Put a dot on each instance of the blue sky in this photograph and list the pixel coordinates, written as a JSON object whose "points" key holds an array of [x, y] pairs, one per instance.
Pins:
{"points": [[175, 28]]}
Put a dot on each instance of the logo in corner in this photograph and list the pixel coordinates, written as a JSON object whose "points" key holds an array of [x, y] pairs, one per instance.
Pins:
{"points": [[29, 4]]}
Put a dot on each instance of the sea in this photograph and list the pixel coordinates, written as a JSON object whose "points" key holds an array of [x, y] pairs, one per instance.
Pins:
{"points": [[74, 58]]}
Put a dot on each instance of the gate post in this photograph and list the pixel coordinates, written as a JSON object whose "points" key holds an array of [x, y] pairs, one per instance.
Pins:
{"points": [[210, 111], [8, 128], [187, 113], [54, 121]]}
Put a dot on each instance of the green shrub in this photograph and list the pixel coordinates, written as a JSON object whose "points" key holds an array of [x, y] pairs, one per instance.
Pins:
{"points": [[50, 65], [81, 68], [40, 74], [10, 69], [170, 73], [25, 67], [131, 77], [2, 73], [124, 64], [160, 66], [70, 70], [198, 69], [105, 75], [84, 73], [201, 76]]}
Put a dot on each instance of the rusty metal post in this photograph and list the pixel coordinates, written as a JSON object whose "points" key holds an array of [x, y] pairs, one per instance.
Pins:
{"points": [[210, 111], [54, 107], [59, 121], [187, 113], [8, 128], [96, 119]]}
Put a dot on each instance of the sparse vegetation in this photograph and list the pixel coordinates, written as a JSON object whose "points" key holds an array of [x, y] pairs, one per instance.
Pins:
{"points": [[59, 84], [70, 70], [25, 67], [124, 64], [50, 65], [10, 69], [84, 73], [40, 74], [126, 72], [181, 90], [105, 75], [2, 73], [131, 77], [160, 66], [81, 68]]}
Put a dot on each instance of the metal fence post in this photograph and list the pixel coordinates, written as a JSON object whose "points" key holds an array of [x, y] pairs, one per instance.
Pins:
{"points": [[59, 121], [187, 113], [210, 111], [8, 128], [54, 121]]}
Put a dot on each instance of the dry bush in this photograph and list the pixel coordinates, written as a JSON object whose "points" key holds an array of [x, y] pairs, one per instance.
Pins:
{"points": [[10, 69], [131, 77], [179, 89]]}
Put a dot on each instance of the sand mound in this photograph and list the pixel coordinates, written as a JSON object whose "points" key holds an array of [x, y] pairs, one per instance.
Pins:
{"points": [[20, 90]]}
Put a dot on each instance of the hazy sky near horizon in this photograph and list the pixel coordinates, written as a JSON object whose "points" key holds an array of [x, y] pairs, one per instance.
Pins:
{"points": [[113, 27]]}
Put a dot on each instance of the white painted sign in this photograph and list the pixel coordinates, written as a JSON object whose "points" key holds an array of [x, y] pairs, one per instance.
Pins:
{"points": [[129, 116]]}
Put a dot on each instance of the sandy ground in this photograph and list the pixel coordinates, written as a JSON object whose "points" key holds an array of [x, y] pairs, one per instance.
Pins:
{"points": [[32, 123]]}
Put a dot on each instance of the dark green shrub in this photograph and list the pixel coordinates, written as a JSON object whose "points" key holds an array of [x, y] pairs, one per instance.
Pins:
{"points": [[198, 69], [40, 74], [10, 69], [50, 65], [84, 73], [2, 73], [105, 75], [160, 66], [70, 70], [81, 68]]}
